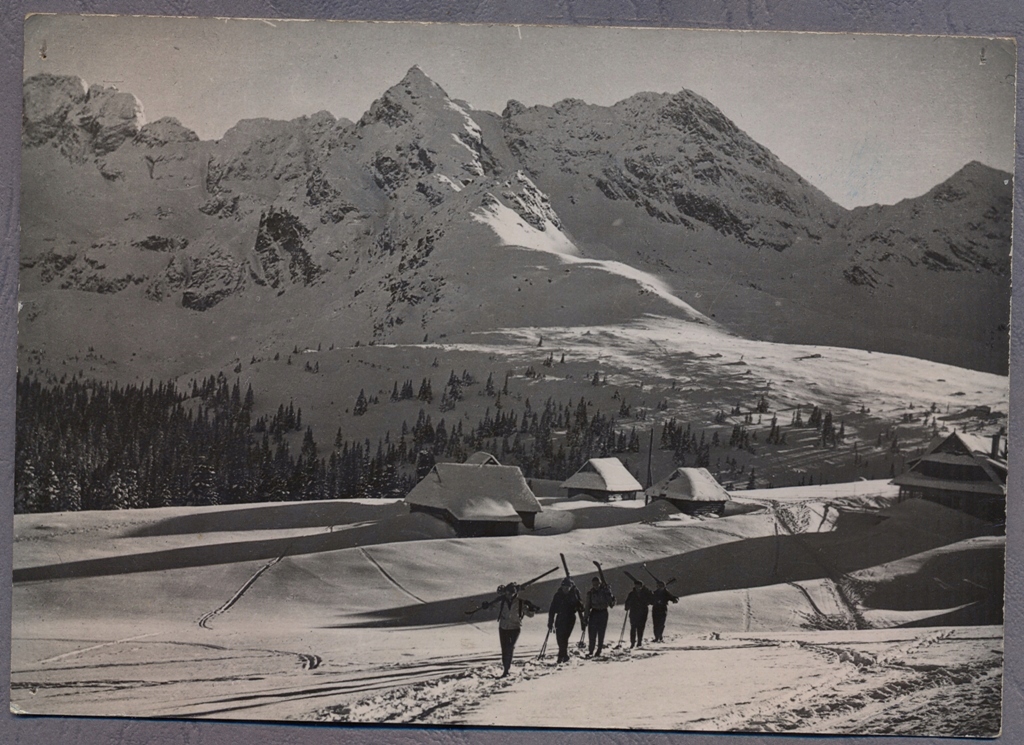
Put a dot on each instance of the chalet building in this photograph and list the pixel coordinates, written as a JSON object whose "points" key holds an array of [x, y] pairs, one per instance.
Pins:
{"points": [[691, 490], [961, 471], [605, 479], [477, 499]]}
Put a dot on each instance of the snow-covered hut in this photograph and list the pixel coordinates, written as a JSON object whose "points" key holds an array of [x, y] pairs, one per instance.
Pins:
{"points": [[692, 490], [477, 500], [962, 471], [603, 478]]}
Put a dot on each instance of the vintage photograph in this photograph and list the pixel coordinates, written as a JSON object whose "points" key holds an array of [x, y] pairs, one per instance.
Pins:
{"points": [[512, 376]]}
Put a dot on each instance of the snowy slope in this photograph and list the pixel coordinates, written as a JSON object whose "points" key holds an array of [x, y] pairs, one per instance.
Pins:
{"points": [[376, 633]]}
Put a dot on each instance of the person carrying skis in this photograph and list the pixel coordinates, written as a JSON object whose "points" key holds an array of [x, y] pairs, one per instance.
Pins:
{"points": [[599, 600], [511, 609], [659, 609], [565, 606], [636, 605]]}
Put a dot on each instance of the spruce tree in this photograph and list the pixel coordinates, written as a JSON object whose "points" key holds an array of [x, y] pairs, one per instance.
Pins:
{"points": [[361, 405]]}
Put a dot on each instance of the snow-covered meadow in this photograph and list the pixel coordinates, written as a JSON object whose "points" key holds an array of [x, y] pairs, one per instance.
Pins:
{"points": [[817, 609]]}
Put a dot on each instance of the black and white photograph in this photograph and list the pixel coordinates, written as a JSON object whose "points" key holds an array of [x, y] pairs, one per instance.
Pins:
{"points": [[512, 376]]}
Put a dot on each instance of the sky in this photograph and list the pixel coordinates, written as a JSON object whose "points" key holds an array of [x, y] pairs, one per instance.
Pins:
{"points": [[865, 118]]}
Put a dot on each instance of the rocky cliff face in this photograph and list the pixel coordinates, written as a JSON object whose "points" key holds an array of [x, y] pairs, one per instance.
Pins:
{"points": [[678, 158], [415, 138], [426, 217], [960, 225], [80, 122]]}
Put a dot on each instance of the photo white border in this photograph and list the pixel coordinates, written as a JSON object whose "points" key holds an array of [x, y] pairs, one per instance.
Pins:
{"points": [[961, 17]]}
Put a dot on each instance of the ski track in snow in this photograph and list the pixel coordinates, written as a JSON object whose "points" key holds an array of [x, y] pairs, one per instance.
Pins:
{"points": [[94, 647], [807, 596], [444, 699], [389, 578], [836, 582], [855, 682], [204, 621], [402, 677], [887, 687]]}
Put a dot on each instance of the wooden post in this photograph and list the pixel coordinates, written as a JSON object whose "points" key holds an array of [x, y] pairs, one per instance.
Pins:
{"points": [[650, 455]]}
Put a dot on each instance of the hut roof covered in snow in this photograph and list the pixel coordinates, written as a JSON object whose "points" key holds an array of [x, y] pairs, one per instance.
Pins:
{"points": [[994, 446], [691, 485], [480, 458], [603, 474], [961, 463], [471, 491]]}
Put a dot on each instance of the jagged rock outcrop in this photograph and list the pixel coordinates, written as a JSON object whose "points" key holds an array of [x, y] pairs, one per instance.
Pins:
{"points": [[83, 271], [265, 151], [530, 203], [162, 243], [48, 103], [200, 282], [282, 252], [163, 132], [81, 122], [417, 143]]}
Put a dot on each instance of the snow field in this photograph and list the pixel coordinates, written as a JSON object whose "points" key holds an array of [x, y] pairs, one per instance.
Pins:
{"points": [[377, 632], [882, 382]]}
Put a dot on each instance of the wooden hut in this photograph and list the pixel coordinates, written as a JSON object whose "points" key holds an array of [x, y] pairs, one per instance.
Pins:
{"points": [[965, 472], [693, 491], [477, 500], [605, 479]]}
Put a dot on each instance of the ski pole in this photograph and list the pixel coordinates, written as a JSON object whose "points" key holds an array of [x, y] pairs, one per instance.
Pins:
{"points": [[544, 646], [622, 634]]}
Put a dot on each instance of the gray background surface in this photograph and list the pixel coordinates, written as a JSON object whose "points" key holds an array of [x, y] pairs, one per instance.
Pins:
{"points": [[1004, 18]]}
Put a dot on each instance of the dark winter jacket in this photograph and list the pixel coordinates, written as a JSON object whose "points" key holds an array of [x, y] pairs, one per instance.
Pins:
{"points": [[662, 597], [637, 602], [599, 598], [564, 607]]}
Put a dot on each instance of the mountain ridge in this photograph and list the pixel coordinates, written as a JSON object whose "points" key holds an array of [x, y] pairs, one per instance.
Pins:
{"points": [[394, 207]]}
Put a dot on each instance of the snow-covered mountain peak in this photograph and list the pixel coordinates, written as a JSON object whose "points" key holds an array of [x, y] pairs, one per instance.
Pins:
{"points": [[415, 130], [418, 84], [80, 121], [400, 103]]}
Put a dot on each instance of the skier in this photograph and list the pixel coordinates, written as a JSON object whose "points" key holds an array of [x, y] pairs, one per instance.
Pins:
{"points": [[659, 609], [636, 604], [599, 600], [565, 606], [511, 610]]}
